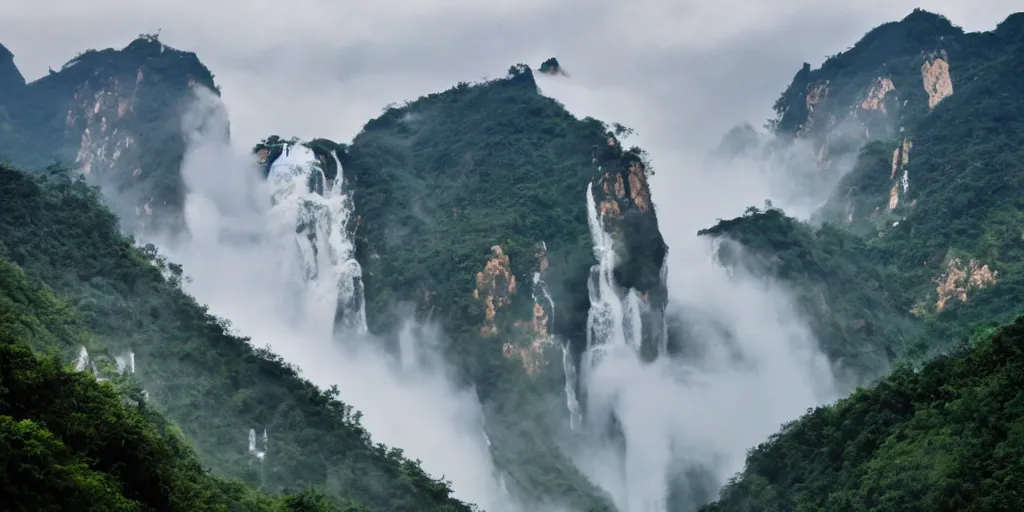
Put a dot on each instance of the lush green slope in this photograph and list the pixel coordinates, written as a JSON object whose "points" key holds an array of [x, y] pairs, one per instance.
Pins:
{"points": [[442, 180], [934, 223], [213, 385], [70, 442], [948, 436], [922, 240], [853, 306]]}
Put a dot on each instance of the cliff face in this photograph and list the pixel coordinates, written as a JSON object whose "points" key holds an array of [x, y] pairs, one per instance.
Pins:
{"points": [[115, 116]]}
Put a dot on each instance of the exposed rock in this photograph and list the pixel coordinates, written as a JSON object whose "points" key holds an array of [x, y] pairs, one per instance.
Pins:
{"points": [[960, 278], [815, 95], [935, 77], [894, 197], [875, 99], [637, 186], [495, 285]]}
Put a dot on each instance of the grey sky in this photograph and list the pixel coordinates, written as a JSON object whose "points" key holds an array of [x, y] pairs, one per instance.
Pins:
{"points": [[680, 73]]}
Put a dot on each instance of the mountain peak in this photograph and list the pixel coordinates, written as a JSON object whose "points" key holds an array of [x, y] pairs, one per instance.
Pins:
{"points": [[10, 77]]}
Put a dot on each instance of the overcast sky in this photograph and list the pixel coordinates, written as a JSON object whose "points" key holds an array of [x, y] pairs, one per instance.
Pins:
{"points": [[680, 72]]}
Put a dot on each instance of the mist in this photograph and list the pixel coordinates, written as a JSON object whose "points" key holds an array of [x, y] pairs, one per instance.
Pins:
{"points": [[749, 363], [242, 260]]}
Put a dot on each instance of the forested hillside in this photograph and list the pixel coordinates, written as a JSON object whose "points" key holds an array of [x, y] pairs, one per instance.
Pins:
{"points": [[71, 442], [214, 386], [920, 248], [944, 437], [929, 204]]}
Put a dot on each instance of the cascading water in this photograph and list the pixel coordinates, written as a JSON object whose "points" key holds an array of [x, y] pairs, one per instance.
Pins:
{"points": [[571, 400], [659, 436], [613, 320], [333, 296], [614, 338], [272, 252]]}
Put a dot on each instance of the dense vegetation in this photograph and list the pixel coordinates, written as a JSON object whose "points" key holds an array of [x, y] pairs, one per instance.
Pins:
{"points": [[441, 180], [940, 262], [213, 385], [945, 437], [71, 442]]}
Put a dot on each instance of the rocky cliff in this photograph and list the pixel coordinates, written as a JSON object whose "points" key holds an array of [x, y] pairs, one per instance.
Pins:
{"points": [[115, 116]]}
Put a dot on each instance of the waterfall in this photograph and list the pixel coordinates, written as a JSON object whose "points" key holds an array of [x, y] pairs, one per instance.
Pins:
{"points": [[126, 362], [82, 361], [571, 400], [614, 320], [319, 240], [610, 366]]}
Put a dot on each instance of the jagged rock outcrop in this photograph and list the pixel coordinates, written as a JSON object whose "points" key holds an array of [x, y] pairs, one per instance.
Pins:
{"points": [[552, 67], [113, 115]]}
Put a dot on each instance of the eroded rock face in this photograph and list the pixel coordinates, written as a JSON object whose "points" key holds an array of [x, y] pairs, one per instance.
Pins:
{"points": [[495, 285], [875, 100], [638, 188], [899, 173], [815, 95], [537, 338], [103, 114], [960, 278], [936, 79]]}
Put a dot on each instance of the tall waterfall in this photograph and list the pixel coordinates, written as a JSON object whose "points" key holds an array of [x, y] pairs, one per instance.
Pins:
{"points": [[320, 242], [614, 318], [610, 374]]}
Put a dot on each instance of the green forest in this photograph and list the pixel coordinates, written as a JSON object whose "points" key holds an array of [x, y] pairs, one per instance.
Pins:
{"points": [[56, 230], [921, 301]]}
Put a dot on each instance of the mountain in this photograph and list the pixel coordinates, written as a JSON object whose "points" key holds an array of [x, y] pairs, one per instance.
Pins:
{"points": [[464, 210], [918, 244], [529, 240], [919, 94], [114, 114]]}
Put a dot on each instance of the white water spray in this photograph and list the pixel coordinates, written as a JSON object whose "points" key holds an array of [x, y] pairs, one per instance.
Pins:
{"points": [[318, 226], [755, 367], [276, 257]]}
